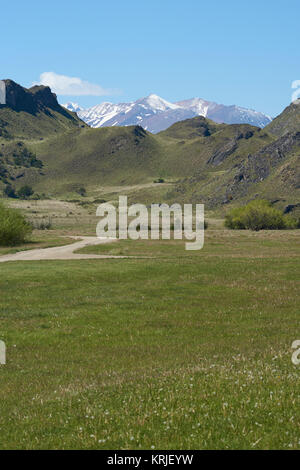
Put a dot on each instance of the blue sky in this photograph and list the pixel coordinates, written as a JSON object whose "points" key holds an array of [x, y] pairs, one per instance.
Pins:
{"points": [[232, 52]]}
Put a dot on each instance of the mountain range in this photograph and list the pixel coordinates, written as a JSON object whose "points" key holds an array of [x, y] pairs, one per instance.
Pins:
{"points": [[155, 114], [195, 160]]}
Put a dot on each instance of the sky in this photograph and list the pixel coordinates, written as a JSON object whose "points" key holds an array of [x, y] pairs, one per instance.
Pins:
{"points": [[231, 52]]}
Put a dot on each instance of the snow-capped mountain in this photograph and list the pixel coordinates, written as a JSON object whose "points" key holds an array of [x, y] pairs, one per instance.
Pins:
{"points": [[74, 107], [225, 114], [155, 114]]}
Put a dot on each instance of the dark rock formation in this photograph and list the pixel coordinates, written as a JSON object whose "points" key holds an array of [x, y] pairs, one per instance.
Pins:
{"points": [[32, 100]]}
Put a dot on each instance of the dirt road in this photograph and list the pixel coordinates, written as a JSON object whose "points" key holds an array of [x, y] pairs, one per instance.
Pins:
{"points": [[61, 252]]}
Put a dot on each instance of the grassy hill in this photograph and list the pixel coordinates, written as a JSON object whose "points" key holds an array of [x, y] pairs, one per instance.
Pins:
{"points": [[50, 148], [90, 157], [130, 155], [208, 151]]}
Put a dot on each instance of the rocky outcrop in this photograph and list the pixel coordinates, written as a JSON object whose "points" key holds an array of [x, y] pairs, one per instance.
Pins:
{"points": [[32, 100], [224, 152], [258, 166], [229, 148]]}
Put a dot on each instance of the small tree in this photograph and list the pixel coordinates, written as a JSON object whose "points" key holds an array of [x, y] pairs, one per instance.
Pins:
{"points": [[25, 192]]}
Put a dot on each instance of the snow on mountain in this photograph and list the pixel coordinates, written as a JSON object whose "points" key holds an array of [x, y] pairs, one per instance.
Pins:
{"points": [[74, 107], [103, 113], [197, 105], [155, 114], [156, 103], [225, 114]]}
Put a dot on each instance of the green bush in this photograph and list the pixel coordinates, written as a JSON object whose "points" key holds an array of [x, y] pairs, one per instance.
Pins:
{"points": [[259, 215], [25, 192], [9, 191], [14, 229], [81, 191]]}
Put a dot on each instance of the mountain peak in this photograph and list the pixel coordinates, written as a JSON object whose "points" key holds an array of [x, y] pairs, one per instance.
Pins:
{"points": [[158, 103], [156, 114], [71, 106]]}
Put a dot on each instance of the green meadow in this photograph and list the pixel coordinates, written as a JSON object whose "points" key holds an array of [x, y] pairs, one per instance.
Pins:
{"points": [[166, 349]]}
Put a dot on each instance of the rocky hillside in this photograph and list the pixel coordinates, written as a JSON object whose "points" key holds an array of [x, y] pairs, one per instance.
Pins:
{"points": [[287, 121], [249, 163]]}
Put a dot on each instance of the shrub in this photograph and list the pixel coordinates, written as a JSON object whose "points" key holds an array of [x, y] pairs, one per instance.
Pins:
{"points": [[9, 191], [42, 224], [25, 192], [258, 215], [14, 229], [81, 191]]}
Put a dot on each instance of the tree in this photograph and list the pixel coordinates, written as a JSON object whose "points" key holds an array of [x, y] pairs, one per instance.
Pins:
{"points": [[25, 192]]}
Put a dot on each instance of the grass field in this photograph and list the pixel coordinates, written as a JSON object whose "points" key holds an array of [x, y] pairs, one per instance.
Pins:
{"points": [[181, 350]]}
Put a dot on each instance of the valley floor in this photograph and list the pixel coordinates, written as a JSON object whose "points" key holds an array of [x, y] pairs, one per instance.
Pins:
{"points": [[178, 350]]}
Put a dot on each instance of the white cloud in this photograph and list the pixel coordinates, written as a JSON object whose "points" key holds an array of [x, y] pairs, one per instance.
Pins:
{"points": [[73, 86]]}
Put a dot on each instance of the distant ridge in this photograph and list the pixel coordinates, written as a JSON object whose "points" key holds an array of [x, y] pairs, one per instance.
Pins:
{"points": [[155, 114]]}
